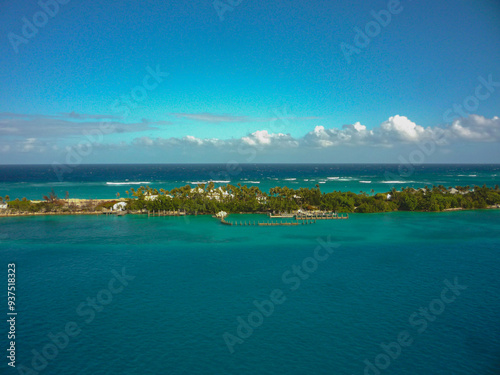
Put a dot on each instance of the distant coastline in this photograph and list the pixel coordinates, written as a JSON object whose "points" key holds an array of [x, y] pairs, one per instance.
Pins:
{"points": [[206, 199]]}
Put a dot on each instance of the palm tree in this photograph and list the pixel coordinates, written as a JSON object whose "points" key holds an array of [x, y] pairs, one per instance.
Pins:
{"points": [[7, 198], [52, 197]]}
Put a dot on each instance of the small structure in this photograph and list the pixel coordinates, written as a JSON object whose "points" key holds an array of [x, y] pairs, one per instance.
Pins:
{"points": [[261, 199], [221, 214], [120, 206], [3, 206]]}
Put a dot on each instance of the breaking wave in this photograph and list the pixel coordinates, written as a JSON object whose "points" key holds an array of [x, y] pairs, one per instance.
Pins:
{"points": [[128, 183]]}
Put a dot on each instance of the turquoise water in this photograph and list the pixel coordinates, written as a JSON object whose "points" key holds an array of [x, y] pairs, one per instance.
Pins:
{"points": [[194, 277]]}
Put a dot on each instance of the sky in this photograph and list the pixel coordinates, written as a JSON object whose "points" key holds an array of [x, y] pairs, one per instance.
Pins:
{"points": [[221, 81]]}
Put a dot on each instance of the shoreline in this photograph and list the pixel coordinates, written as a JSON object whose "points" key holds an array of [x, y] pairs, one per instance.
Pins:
{"points": [[99, 213], [278, 202]]}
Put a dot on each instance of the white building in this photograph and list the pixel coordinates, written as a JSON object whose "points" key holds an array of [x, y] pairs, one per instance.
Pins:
{"points": [[221, 214], [120, 206]]}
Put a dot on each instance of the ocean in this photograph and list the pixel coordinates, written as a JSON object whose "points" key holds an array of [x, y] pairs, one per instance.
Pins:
{"points": [[389, 293], [105, 181]]}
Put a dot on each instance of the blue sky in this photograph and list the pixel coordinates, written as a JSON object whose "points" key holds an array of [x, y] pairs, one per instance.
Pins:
{"points": [[259, 82]]}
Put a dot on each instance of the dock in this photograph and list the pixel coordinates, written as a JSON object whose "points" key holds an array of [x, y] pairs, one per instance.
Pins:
{"points": [[267, 223], [297, 218], [166, 213], [116, 213], [281, 216], [321, 215]]}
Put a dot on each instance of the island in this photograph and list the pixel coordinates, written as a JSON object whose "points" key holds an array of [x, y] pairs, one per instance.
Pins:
{"points": [[278, 201]]}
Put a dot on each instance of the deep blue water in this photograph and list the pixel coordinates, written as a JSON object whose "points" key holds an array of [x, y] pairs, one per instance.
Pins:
{"points": [[104, 181], [194, 277], [195, 280]]}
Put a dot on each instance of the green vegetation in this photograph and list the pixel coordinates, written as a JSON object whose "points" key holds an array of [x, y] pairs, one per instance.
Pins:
{"points": [[30, 207], [206, 199], [229, 198]]}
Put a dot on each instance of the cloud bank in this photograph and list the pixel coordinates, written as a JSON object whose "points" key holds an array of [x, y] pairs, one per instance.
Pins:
{"points": [[36, 136], [396, 130]]}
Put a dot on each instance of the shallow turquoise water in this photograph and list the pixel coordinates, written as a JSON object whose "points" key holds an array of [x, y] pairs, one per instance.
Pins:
{"points": [[194, 277]]}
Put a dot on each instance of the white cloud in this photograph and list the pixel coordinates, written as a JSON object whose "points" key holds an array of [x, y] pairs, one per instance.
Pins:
{"points": [[401, 130], [320, 137], [29, 144], [144, 141], [351, 134], [355, 127], [476, 128], [401, 127], [191, 139], [396, 131], [262, 138]]}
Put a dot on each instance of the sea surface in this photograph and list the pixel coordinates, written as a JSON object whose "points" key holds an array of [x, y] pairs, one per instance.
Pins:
{"points": [[389, 293], [105, 181]]}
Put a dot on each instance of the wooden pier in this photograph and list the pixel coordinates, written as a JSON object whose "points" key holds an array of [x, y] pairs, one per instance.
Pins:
{"points": [[311, 216], [267, 223], [298, 219], [166, 213], [281, 216], [116, 213], [320, 217]]}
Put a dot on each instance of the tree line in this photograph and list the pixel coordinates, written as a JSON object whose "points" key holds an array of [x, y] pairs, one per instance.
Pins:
{"points": [[206, 199]]}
